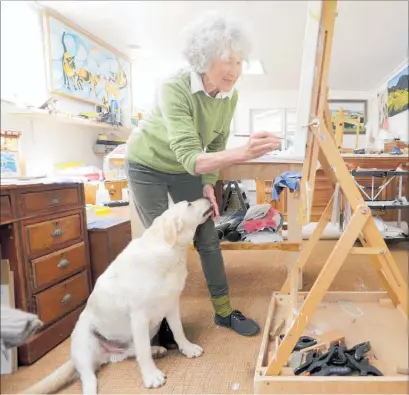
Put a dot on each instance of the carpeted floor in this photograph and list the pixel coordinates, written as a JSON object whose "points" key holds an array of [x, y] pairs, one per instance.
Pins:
{"points": [[227, 365]]}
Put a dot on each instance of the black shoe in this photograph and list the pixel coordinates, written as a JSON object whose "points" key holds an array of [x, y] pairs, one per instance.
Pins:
{"points": [[165, 336], [239, 323]]}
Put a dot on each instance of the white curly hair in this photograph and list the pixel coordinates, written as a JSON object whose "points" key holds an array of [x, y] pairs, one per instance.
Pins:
{"points": [[212, 37]]}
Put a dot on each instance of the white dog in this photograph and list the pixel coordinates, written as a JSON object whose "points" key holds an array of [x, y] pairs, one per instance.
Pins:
{"points": [[124, 311]]}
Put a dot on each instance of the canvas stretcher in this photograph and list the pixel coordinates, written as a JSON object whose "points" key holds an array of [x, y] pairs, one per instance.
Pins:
{"points": [[303, 310]]}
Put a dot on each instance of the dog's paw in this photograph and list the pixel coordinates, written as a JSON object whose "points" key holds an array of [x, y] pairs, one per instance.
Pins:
{"points": [[158, 352], [191, 350], [154, 379]]}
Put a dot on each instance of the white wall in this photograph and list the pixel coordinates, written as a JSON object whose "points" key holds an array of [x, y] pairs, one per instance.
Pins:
{"points": [[43, 143], [398, 124]]}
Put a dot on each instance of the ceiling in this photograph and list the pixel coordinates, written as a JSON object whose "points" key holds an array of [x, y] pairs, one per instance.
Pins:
{"points": [[370, 40]]}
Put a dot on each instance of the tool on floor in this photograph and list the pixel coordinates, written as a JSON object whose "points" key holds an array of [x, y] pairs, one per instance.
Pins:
{"points": [[326, 340], [274, 333], [338, 361], [303, 342]]}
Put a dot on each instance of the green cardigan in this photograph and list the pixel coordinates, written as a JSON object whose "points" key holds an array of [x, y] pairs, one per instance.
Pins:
{"points": [[184, 123]]}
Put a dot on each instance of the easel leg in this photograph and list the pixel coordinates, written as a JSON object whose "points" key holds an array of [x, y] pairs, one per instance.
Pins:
{"points": [[385, 265], [310, 245], [320, 287]]}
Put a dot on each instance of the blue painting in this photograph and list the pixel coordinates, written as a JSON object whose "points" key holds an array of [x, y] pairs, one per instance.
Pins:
{"points": [[85, 69], [398, 93]]}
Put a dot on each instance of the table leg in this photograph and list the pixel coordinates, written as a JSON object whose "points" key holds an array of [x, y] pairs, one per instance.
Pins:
{"points": [[294, 229]]}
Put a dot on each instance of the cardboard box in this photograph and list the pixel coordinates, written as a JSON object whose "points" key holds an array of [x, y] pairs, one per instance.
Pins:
{"points": [[9, 363]]}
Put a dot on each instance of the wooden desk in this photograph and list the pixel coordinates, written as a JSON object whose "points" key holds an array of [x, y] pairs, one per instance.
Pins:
{"points": [[43, 235], [265, 170], [107, 241]]}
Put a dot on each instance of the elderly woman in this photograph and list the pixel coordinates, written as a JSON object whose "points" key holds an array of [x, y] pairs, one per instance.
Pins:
{"points": [[180, 147]]}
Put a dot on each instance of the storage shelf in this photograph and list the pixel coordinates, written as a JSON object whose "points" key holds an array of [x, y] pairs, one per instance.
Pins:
{"points": [[386, 204], [70, 120]]}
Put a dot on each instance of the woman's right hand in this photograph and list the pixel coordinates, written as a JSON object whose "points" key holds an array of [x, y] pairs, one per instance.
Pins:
{"points": [[259, 144]]}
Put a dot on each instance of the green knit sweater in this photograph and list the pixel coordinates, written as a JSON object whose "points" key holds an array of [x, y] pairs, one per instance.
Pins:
{"points": [[181, 126]]}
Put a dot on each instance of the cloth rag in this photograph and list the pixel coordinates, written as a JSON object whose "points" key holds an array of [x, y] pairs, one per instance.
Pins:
{"points": [[272, 221], [257, 211], [288, 179], [17, 327]]}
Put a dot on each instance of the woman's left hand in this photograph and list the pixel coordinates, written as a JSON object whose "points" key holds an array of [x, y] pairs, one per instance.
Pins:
{"points": [[208, 191]]}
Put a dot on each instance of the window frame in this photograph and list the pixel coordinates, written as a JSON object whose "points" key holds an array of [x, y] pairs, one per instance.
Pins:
{"points": [[284, 123]]}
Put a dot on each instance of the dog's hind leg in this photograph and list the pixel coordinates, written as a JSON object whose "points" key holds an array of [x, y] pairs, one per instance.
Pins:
{"points": [[87, 356], [152, 377]]}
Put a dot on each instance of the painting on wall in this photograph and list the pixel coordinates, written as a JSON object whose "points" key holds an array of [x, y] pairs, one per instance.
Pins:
{"points": [[383, 109], [398, 93], [352, 109], [83, 68]]}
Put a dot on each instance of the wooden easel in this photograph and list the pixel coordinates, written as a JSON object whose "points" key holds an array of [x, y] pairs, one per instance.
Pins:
{"points": [[321, 146]]}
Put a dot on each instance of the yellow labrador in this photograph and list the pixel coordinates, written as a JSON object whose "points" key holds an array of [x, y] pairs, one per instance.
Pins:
{"points": [[124, 311]]}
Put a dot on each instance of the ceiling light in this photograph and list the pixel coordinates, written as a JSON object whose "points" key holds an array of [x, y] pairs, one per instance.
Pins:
{"points": [[253, 67]]}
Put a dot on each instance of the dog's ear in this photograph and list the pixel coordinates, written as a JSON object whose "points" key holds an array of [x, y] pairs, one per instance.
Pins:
{"points": [[170, 229]]}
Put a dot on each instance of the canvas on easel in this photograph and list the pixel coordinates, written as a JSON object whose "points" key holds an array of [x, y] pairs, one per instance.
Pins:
{"points": [[321, 148]]}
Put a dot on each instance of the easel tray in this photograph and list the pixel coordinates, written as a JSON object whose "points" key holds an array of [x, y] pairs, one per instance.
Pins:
{"points": [[360, 317]]}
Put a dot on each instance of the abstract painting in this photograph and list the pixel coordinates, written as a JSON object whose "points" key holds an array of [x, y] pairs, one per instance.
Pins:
{"points": [[398, 93], [83, 68], [383, 109], [352, 109]]}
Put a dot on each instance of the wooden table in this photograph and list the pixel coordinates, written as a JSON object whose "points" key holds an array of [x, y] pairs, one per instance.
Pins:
{"points": [[266, 170]]}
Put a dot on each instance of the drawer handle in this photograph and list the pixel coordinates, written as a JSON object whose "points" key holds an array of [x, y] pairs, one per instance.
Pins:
{"points": [[63, 263], [66, 298], [55, 201], [57, 232]]}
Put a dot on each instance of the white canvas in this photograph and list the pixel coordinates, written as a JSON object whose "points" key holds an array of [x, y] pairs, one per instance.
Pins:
{"points": [[310, 53]]}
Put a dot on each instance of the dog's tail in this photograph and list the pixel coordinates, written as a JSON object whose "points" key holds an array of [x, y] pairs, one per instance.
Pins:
{"points": [[62, 376]]}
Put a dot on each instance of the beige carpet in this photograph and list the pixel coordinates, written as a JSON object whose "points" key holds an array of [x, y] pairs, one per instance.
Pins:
{"points": [[228, 363]]}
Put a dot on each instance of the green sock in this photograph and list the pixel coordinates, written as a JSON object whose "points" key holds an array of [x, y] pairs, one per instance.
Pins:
{"points": [[222, 306]]}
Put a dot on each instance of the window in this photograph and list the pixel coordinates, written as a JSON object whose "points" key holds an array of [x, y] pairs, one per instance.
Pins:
{"points": [[23, 77], [280, 121]]}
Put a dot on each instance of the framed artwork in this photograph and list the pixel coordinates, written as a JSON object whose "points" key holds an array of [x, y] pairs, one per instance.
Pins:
{"points": [[352, 109], [383, 109], [83, 68], [10, 153], [398, 93]]}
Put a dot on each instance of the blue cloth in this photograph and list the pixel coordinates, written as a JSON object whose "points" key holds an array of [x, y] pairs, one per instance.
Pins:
{"points": [[288, 179]]}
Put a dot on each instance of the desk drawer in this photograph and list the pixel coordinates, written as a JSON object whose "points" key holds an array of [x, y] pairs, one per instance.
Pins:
{"points": [[62, 298], [50, 269], [5, 208], [52, 200], [51, 234]]}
